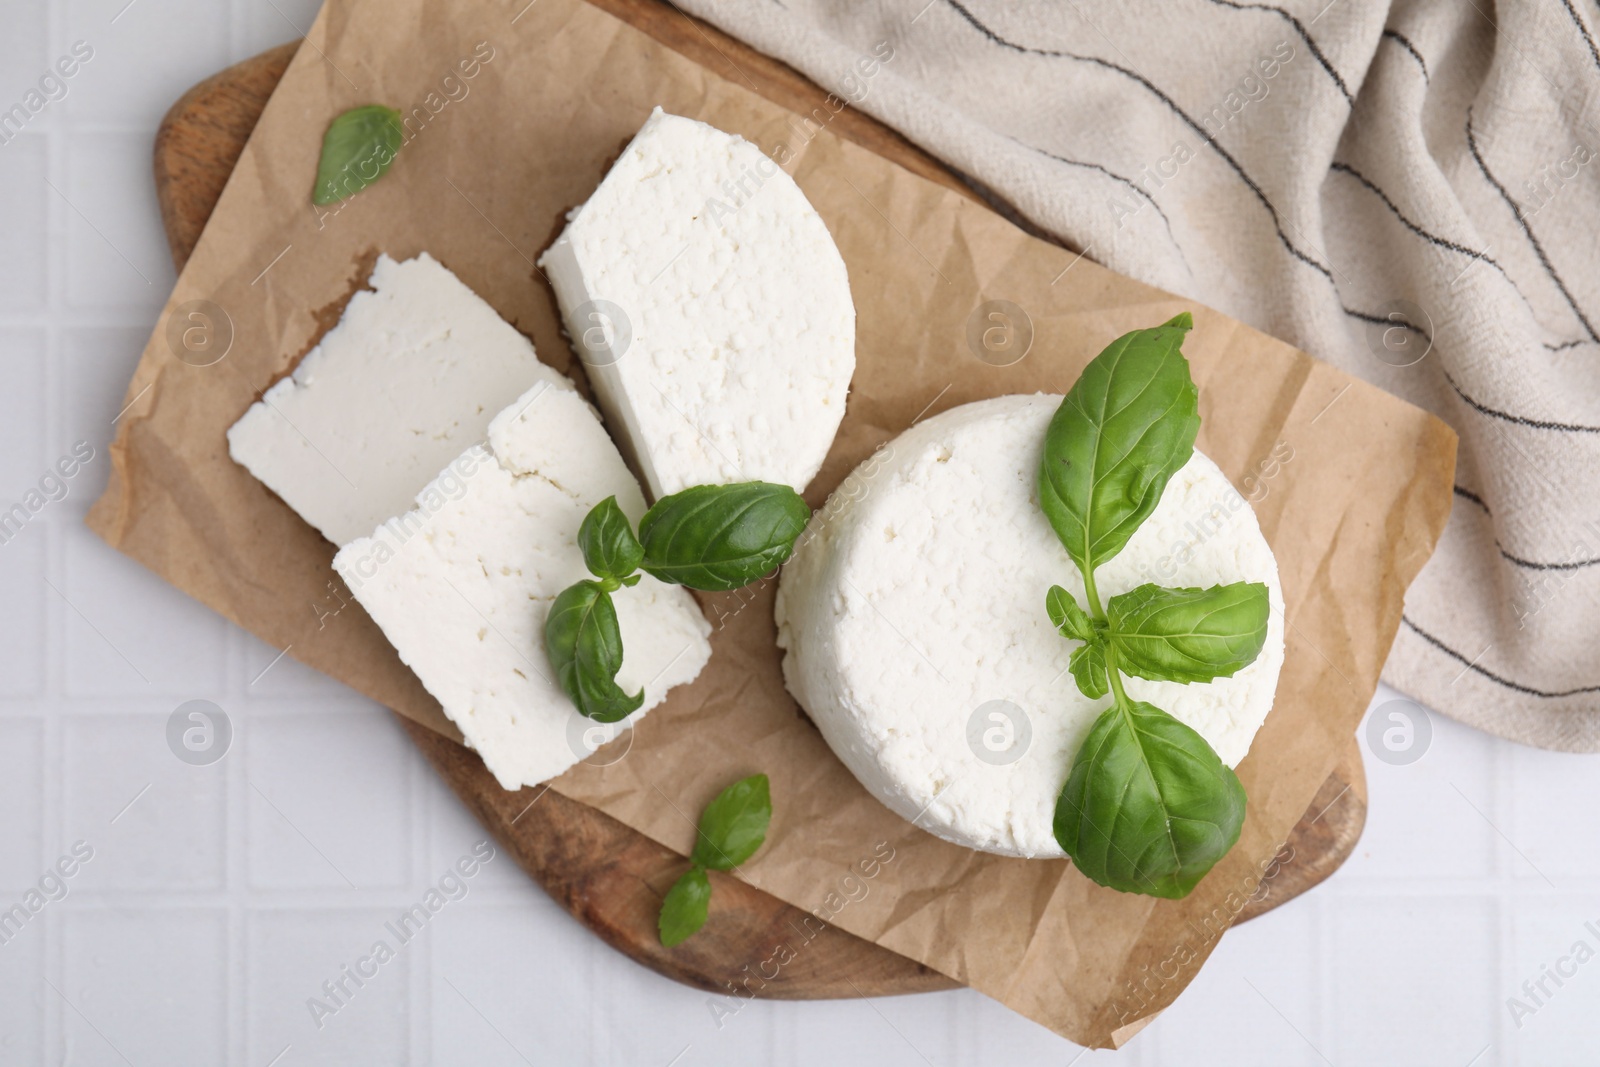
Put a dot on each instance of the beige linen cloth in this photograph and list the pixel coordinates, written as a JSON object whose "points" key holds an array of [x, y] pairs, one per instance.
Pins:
{"points": [[1407, 190]]}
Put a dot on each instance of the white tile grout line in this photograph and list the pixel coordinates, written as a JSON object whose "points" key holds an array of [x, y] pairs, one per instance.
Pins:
{"points": [[1502, 801], [1320, 981], [53, 964], [420, 1004]]}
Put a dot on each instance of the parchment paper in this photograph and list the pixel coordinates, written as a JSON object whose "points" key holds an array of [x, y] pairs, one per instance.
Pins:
{"points": [[494, 162]]}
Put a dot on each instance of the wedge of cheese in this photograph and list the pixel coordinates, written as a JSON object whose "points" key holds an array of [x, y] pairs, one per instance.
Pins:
{"points": [[407, 380], [462, 582], [913, 619], [712, 309]]}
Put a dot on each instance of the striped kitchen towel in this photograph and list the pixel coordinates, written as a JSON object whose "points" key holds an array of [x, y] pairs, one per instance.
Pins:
{"points": [[1408, 189]]}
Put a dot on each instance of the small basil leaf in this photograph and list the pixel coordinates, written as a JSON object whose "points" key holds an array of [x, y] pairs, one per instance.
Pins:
{"points": [[584, 644], [721, 537], [1189, 635], [1088, 667], [683, 910], [1066, 616], [609, 548], [1125, 428], [356, 151], [734, 824], [1148, 807]]}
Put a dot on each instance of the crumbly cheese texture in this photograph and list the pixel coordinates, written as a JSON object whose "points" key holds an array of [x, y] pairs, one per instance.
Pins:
{"points": [[712, 309], [407, 380], [461, 585], [917, 596]]}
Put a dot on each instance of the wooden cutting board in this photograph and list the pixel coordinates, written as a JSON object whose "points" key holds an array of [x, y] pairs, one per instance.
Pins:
{"points": [[610, 877]]}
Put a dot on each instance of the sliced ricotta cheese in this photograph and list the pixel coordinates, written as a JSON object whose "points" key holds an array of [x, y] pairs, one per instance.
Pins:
{"points": [[461, 585], [913, 622], [712, 309], [407, 380]]}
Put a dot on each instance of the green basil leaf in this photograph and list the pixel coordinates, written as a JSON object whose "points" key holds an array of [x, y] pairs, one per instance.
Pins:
{"points": [[609, 548], [720, 537], [1125, 428], [1148, 807], [356, 151], [733, 826], [584, 644], [1189, 635], [1066, 616], [683, 911], [1088, 667]]}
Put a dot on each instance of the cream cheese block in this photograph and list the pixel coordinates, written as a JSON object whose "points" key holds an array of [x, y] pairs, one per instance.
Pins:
{"points": [[407, 380], [912, 617], [462, 582], [711, 308]]}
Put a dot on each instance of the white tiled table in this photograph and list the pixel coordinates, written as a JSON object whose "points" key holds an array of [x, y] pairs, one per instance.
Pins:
{"points": [[219, 898]]}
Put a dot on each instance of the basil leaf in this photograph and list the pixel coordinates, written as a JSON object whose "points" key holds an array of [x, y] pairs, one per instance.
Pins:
{"points": [[683, 911], [1125, 428], [584, 644], [1088, 667], [356, 151], [609, 548], [720, 537], [1066, 616], [1148, 807], [734, 824], [1189, 635]]}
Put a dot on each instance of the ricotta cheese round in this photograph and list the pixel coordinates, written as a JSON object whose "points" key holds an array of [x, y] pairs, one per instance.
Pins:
{"points": [[711, 309], [912, 616]]}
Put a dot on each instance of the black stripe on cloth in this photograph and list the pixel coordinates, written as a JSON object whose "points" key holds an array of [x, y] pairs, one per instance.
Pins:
{"points": [[1532, 565], [1516, 210], [1379, 320], [1468, 494], [1493, 677], [1277, 222], [1536, 424], [1110, 174], [1304, 36], [1564, 345], [1588, 38], [1433, 239], [1399, 38]]}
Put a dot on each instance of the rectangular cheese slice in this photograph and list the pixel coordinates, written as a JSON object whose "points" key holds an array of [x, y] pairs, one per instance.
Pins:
{"points": [[407, 380], [461, 585]]}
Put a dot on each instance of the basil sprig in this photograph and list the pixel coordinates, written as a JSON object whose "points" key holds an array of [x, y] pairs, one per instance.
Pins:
{"points": [[732, 828], [356, 151], [1148, 806], [708, 537]]}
